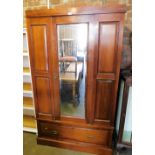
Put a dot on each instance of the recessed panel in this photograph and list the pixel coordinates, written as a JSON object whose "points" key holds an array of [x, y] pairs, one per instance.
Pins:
{"points": [[107, 47], [43, 95], [39, 38], [103, 99]]}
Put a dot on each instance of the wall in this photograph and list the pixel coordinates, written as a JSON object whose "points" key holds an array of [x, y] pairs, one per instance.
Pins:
{"points": [[32, 4]]}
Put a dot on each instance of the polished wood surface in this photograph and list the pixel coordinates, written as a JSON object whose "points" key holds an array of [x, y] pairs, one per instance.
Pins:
{"points": [[107, 44], [105, 35], [39, 50], [82, 10], [78, 122], [75, 145], [79, 134], [39, 47], [103, 100], [107, 63], [43, 96]]}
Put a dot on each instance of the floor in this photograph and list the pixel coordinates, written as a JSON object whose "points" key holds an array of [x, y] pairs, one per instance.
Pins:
{"points": [[32, 148]]}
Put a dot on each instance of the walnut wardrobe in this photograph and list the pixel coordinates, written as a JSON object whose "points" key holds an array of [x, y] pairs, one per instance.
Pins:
{"points": [[75, 56]]}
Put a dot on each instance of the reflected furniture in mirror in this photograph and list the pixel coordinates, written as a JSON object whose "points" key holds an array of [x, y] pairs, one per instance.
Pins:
{"points": [[75, 56], [71, 49]]}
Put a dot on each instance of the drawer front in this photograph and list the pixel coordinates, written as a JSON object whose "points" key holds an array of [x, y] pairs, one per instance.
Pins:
{"points": [[74, 133]]}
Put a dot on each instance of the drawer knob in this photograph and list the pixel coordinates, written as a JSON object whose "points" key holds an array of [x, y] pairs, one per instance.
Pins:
{"points": [[54, 132]]}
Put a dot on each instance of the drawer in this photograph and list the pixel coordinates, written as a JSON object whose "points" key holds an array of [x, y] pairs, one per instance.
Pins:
{"points": [[75, 133]]}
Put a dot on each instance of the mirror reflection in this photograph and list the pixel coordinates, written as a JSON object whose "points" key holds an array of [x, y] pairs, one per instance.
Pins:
{"points": [[72, 50]]}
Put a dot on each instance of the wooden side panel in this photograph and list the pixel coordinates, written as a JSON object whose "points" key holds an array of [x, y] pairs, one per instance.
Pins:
{"points": [[43, 96], [39, 40], [103, 100], [107, 47], [108, 56]]}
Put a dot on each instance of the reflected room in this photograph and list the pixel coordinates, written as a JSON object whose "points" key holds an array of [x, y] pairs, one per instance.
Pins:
{"points": [[72, 51]]}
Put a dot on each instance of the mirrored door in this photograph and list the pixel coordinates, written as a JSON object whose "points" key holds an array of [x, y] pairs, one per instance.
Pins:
{"points": [[72, 53]]}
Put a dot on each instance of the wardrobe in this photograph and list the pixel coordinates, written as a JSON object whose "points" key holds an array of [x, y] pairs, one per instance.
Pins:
{"points": [[75, 56]]}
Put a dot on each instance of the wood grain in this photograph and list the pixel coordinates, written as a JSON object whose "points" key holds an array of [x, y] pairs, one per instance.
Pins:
{"points": [[39, 47], [82, 10], [43, 96], [79, 134], [75, 145], [107, 44], [39, 30], [105, 36], [103, 100]]}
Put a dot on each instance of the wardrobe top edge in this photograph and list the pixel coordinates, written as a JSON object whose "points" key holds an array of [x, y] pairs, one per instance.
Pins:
{"points": [[82, 10]]}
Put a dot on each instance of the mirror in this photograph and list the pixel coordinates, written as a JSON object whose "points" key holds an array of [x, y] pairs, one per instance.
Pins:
{"points": [[72, 52]]}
